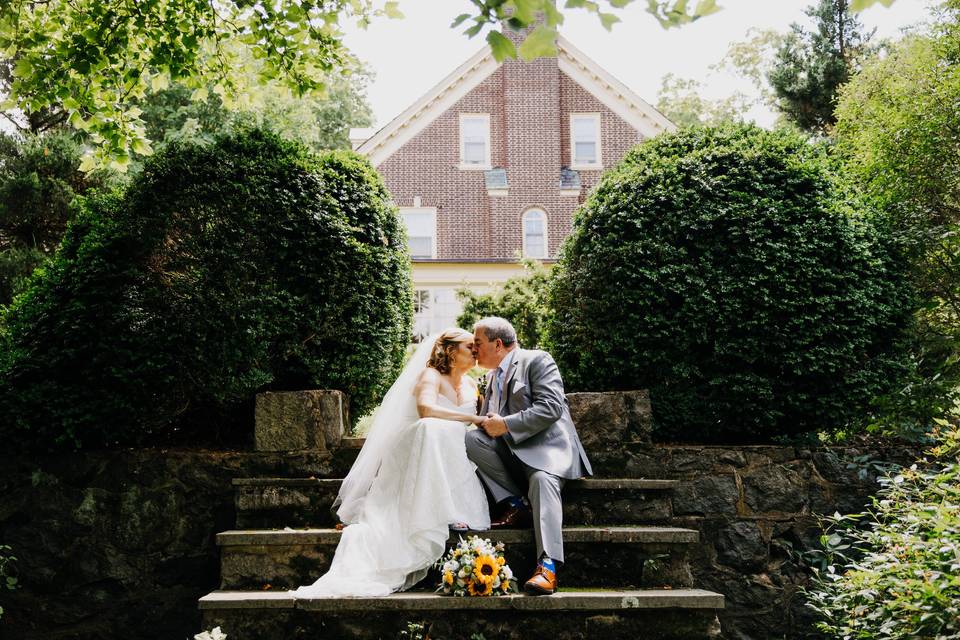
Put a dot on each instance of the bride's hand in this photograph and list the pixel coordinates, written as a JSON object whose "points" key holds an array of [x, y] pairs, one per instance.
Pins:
{"points": [[478, 420]]}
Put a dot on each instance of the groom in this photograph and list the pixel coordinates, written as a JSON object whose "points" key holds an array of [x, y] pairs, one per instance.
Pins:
{"points": [[527, 445]]}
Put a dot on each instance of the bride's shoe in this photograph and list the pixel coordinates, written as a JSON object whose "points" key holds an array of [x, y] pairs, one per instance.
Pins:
{"points": [[459, 527]]}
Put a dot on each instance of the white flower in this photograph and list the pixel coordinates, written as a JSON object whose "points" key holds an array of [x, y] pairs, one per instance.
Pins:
{"points": [[506, 572], [463, 573], [496, 582], [216, 634], [451, 565]]}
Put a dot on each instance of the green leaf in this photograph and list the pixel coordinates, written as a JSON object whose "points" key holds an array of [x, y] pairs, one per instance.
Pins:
{"points": [[706, 8], [159, 82], [860, 5], [542, 42], [459, 20], [392, 9], [88, 163], [608, 20], [501, 46]]}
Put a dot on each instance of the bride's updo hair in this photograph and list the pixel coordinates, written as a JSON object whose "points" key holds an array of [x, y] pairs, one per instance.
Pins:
{"points": [[445, 347]]}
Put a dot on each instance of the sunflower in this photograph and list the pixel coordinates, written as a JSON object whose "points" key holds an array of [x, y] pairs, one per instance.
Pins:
{"points": [[485, 569], [448, 577], [479, 588], [501, 560]]}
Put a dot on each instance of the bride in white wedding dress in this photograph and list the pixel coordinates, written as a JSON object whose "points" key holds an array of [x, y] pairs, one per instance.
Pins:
{"points": [[412, 479]]}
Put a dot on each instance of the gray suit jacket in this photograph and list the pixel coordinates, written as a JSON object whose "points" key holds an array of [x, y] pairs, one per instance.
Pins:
{"points": [[534, 406]]}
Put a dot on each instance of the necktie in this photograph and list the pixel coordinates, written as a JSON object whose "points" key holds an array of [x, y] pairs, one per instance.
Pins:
{"points": [[495, 396]]}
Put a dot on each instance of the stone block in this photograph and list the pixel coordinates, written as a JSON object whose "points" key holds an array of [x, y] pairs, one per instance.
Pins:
{"points": [[707, 495], [741, 546], [607, 420], [300, 420]]}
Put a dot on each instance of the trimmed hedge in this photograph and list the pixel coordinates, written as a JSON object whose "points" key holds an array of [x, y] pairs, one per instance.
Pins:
{"points": [[714, 267], [220, 272]]}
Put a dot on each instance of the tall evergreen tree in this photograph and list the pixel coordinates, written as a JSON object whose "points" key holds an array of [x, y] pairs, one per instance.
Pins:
{"points": [[812, 64]]}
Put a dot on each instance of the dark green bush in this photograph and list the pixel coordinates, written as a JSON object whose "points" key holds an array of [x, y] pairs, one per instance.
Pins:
{"points": [[714, 267], [220, 272]]}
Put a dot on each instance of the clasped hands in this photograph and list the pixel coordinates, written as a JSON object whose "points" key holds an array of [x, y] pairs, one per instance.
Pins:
{"points": [[493, 425]]}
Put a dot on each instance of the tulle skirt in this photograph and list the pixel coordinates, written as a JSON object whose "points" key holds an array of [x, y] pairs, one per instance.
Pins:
{"points": [[425, 484]]}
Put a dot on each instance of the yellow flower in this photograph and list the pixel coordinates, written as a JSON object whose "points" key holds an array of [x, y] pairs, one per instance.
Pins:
{"points": [[448, 577], [486, 569], [501, 561], [479, 588]]}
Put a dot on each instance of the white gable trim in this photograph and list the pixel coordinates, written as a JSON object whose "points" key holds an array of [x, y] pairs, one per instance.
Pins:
{"points": [[441, 97], [571, 61], [610, 91]]}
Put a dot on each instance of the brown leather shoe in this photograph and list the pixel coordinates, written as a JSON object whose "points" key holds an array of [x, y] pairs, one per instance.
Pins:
{"points": [[543, 582], [513, 518]]}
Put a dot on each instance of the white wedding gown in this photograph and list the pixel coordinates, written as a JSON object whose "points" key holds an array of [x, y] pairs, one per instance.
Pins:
{"points": [[424, 484]]}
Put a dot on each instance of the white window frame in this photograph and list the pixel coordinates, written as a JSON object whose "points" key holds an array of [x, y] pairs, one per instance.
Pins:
{"points": [[574, 163], [433, 227], [546, 238], [486, 163]]}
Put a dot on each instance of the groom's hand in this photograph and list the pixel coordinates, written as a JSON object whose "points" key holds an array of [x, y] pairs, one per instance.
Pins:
{"points": [[494, 425]]}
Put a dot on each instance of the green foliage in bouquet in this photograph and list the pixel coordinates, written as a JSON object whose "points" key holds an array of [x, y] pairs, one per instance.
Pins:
{"points": [[720, 268], [220, 272], [892, 572], [476, 567]]}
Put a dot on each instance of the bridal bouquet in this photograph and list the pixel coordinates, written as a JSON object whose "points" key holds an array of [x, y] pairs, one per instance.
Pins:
{"points": [[476, 567]]}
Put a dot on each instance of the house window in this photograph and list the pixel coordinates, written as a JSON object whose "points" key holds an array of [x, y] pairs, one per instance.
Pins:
{"points": [[434, 309], [585, 140], [421, 223], [535, 234], [474, 141], [422, 314]]}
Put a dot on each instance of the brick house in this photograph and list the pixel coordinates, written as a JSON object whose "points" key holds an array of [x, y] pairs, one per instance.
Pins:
{"points": [[492, 162]]}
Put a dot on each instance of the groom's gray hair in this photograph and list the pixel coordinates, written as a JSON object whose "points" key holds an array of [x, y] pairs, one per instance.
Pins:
{"points": [[495, 327]]}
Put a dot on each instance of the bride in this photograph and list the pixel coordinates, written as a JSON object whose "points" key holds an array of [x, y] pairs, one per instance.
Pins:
{"points": [[412, 481]]}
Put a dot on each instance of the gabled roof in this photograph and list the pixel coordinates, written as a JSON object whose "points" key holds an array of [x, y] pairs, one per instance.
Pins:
{"points": [[481, 65]]}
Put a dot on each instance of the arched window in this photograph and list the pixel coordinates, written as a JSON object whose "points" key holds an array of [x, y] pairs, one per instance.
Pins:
{"points": [[535, 234]]}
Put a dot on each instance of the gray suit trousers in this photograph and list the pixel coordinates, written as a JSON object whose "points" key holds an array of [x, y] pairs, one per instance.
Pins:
{"points": [[503, 473]]}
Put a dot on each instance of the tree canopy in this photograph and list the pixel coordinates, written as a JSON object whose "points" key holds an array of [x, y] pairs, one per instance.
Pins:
{"points": [[90, 62]]}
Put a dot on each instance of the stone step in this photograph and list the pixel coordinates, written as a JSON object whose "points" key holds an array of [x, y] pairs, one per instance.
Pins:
{"points": [[595, 556], [653, 614], [279, 502]]}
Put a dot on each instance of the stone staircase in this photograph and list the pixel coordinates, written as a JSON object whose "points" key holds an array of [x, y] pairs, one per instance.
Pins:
{"points": [[622, 578], [627, 572]]}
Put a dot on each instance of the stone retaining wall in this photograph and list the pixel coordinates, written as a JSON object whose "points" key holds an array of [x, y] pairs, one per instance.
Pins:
{"points": [[122, 543]]}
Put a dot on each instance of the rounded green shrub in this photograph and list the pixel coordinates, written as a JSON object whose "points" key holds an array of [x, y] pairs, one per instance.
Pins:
{"points": [[220, 272], [717, 268]]}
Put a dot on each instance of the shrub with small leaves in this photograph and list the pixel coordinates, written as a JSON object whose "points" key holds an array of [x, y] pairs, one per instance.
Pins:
{"points": [[894, 571], [220, 272], [720, 268]]}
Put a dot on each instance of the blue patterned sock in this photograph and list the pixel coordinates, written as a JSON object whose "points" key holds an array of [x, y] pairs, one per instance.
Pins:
{"points": [[547, 563], [516, 502]]}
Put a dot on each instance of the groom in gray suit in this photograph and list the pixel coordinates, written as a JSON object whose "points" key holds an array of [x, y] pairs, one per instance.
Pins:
{"points": [[528, 440]]}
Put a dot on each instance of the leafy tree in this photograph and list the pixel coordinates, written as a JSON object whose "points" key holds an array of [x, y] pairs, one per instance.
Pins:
{"points": [[753, 59], [92, 62], [898, 135], [39, 182], [319, 121], [522, 300], [681, 102], [811, 65]]}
